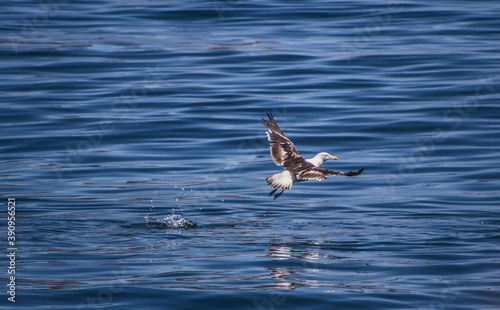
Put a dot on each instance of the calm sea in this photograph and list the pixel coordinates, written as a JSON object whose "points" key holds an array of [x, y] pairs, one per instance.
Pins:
{"points": [[132, 147]]}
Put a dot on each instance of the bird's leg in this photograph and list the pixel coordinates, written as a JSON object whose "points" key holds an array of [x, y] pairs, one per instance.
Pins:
{"points": [[277, 195], [273, 191]]}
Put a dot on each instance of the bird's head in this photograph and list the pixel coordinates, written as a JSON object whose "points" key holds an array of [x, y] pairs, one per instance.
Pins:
{"points": [[325, 156]]}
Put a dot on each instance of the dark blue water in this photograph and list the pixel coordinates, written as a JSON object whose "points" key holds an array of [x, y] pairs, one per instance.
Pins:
{"points": [[112, 111]]}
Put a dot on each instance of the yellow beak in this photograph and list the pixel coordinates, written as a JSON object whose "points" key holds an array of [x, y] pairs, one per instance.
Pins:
{"points": [[333, 157]]}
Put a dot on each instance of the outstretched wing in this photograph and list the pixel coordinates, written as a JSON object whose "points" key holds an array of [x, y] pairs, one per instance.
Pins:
{"points": [[316, 173], [282, 149]]}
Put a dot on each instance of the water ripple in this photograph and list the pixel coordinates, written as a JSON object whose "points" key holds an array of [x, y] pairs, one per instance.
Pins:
{"points": [[154, 110]]}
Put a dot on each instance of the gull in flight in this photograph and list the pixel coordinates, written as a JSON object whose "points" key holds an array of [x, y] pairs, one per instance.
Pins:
{"points": [[297, 169]]}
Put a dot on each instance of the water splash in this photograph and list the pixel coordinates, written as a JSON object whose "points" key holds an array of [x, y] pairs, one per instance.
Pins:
{"points": [[174, 220]]}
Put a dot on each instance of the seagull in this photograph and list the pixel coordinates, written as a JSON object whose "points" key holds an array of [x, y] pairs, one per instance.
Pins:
{"points": [[297, 169]]}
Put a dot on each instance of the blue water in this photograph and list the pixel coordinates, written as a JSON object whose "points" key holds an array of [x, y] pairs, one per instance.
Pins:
{"points": [[114, 113]]}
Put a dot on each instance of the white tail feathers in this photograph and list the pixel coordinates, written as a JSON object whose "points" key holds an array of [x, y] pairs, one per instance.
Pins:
{"points": [[282, 180]]}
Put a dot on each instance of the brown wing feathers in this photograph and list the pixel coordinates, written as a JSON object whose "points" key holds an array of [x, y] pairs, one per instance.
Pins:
{"points": [[281, 147], [321, 173]]}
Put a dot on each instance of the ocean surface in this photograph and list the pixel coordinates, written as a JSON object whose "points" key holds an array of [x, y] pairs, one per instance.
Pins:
{"points": [[132, 146]]}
